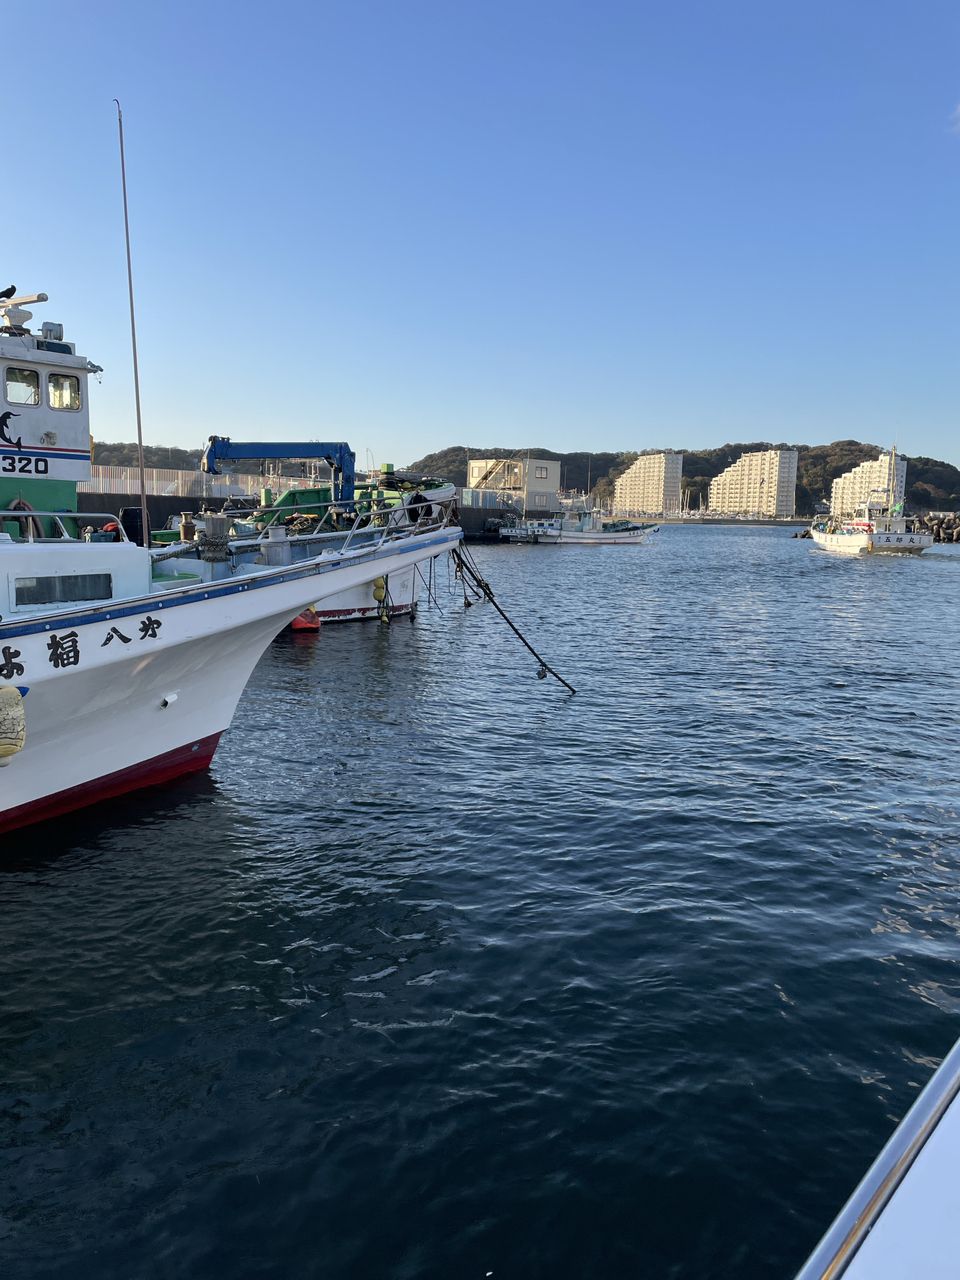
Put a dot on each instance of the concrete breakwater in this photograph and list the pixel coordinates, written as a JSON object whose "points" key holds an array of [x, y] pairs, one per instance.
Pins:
{"points": [[943, 528]]}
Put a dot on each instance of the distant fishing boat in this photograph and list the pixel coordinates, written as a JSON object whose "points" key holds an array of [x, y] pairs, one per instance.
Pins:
{"points": [[588, 528], [878, 525], [869, 532]]}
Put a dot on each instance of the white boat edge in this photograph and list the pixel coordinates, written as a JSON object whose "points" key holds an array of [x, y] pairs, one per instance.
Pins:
{"points": [[884, 1192]]}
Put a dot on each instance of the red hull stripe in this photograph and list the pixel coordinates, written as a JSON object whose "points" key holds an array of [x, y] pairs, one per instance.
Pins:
{"points": [[148, 773]]}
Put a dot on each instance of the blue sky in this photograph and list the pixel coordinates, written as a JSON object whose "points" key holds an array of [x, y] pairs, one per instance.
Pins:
{"points": [[415, 224]]}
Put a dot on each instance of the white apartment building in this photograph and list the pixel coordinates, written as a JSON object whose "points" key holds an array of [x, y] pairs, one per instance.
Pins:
{"points": [[757, 484], [530, 483], [871, 479], [651, 485]]}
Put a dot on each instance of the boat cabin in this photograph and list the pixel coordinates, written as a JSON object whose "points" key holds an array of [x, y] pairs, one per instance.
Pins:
{"points": [[52, 575], [44, 411]]}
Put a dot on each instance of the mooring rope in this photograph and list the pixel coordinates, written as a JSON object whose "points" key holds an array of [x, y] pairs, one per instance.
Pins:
{"points": [[428, 583], [467, 569]]}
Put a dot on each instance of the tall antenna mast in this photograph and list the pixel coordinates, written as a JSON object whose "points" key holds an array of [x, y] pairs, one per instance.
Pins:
{"points": [[893, 477], [144, 514]]}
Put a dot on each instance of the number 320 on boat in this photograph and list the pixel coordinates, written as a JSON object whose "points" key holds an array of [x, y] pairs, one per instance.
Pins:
{"points": [[23, 466]]}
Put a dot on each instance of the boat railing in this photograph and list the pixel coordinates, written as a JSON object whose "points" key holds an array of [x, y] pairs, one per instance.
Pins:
{"points": [[31, 525], [426, 519], [367, 529], [859, 1215]]}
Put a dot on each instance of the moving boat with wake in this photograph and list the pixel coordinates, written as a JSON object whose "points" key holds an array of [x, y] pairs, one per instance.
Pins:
{"points": [[877, 525]]}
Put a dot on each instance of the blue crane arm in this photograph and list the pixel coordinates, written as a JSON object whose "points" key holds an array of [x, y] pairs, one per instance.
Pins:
{"points": [[340, 457]]}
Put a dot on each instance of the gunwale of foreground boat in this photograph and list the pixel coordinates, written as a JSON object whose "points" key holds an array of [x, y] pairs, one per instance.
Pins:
{"points": [[900, 1220]]}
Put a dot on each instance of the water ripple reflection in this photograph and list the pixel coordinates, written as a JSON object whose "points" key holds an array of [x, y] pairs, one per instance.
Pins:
{"points": [[443, 973]]}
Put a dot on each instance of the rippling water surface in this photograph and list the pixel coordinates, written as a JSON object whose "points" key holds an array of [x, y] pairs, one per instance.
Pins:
{"points": [[444, 973]]}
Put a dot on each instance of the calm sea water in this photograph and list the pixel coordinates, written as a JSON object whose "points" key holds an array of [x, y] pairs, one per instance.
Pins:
{"points": [[444, 973]]}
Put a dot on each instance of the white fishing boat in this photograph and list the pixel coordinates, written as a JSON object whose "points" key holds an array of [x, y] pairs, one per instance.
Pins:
{"points": [[121, 666], [587, 528], [878, 525], [869, 532]]}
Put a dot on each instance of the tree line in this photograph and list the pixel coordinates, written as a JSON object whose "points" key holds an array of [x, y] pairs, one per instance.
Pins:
{"points": [[931, 485], [162, 457]]}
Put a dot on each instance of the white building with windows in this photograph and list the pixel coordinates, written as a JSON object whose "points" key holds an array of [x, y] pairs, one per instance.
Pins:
{"points": [[651, 485], [757, 484], [883, 478], [531, 484]]}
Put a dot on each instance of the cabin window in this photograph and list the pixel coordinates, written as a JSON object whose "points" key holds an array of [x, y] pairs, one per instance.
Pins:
{"points": [[23, 386], [66, 590], [540, 473], [63, 391]]}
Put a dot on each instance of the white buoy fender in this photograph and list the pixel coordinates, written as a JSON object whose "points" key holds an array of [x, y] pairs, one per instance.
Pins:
{"points": [[13, 723]]}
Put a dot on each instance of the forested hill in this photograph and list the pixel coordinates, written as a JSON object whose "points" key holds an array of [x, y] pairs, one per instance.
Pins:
{"points": [[125, 455], [164, 457], [931, 485]]}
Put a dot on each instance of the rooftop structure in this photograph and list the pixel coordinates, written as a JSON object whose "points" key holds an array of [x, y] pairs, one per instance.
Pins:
{"points": [[757, 484], [530, 484], [884, 478], [651, 485]]}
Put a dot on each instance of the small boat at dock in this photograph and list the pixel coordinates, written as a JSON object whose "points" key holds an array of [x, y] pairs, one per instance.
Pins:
{"points": [[587, 528]]}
